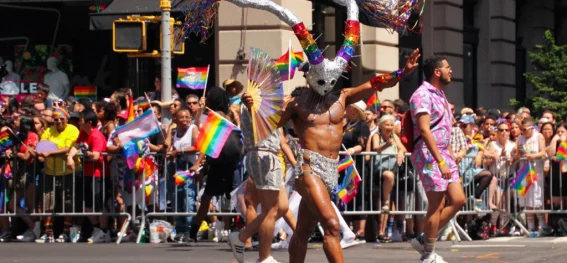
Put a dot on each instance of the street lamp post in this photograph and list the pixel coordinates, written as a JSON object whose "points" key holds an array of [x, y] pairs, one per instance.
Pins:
{"points": [[165, 6]]}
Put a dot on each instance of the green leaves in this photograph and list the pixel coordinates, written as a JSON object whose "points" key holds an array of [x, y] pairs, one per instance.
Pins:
{"points": [[549, 79]]}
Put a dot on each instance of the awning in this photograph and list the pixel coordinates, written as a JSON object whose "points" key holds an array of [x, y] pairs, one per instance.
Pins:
{"points": [[122, 8]]}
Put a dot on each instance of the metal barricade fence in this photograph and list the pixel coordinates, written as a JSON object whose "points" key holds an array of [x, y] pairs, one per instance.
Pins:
{"points": [[382, 179]]}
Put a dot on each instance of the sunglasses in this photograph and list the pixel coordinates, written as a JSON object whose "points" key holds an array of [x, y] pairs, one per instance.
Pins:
{"points": [[503, 130], [58, 119], [140, 110], [527, 129], [192, 102], [175, 105]]}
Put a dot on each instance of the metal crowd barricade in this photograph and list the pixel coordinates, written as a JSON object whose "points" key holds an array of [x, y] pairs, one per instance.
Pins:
{"points": [[73, 183], [406, 193]]}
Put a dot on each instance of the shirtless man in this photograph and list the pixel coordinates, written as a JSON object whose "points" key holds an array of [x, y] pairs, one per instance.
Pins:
{"points": [[318, 123]]}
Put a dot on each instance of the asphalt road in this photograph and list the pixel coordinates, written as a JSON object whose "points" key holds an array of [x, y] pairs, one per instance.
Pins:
{"points": [[520, 250]]}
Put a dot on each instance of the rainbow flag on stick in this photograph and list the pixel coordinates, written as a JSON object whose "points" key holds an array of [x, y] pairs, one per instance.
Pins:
{"points": [[349, 187], [524, 179], [194, 78], [213, 134], [374, 101], [85, 92], [345, 163], [5, 141], [182, 176], [288, 65], [562, 151], [142, 103]]}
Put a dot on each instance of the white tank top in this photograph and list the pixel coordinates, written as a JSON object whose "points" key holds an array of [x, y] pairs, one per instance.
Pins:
{"points": [[184, 142]]}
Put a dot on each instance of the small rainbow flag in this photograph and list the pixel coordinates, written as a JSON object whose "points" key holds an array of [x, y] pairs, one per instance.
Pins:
{"points": [[524, 179], [85, 92], [374, 101], [345, 163], [286, 64], [213, 134], [194, 78], [349, 187], [131, 115], [5, 141], [562, 151], [182, 176], [142, 103]]}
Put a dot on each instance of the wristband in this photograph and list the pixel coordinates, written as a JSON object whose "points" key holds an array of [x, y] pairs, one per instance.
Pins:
{"points": [[442, 162], [377, 81]]}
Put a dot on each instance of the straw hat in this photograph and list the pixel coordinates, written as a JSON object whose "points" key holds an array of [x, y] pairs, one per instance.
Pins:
{"points": [[361, 107], [232, 82]]}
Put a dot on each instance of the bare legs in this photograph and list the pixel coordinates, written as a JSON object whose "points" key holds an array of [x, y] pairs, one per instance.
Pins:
{"points": [[315, 207]]}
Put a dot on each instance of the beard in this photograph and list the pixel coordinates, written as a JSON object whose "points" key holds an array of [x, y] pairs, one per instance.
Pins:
{"points": [[445, 80]]}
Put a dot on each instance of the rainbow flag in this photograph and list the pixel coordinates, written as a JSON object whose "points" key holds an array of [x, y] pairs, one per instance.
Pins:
{"points": [[524, 179], [131, 114], [563, 166], [345, 163], [286, 64], [349, 187], [194, 78], [5, 141], [85, 92], [142, 103], [181, 177], [562, 151], [213, 134], [374, 101]]}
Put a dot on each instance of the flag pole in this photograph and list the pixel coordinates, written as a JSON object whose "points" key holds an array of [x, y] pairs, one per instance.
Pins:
{"points": [[206, 80], [289, 67], [155, 118]]}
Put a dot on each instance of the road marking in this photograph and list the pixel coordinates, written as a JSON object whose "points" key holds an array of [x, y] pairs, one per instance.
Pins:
{"points": [[504, 239], [485, 246]]}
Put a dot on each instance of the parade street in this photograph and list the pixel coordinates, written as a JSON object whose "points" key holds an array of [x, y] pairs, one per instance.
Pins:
{"points": [[498, 250]]}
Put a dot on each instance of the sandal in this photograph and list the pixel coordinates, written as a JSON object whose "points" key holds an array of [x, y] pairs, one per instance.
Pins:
{"points": [[384, 239]]}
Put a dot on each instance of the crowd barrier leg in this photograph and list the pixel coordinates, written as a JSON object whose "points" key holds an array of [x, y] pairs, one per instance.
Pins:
{"points": [[123, 230]]}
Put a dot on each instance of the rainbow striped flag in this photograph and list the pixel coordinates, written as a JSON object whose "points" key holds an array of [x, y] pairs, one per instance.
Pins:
{"points": [[181, 177], [213, 134], [85, 92], [131, 114], [349, 187], [345, 163], [524, 179], [142, 103], [562, 151], [374, 101], [194, 78], [286, 64], [5, 141]]}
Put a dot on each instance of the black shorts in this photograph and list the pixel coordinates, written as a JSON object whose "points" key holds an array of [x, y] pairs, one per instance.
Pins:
{"points": [[219, 181], [100, 189], [58, 189]]}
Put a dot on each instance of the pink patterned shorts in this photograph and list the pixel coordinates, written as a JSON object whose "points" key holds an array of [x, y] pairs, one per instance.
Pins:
{"points": [[428, 170]]}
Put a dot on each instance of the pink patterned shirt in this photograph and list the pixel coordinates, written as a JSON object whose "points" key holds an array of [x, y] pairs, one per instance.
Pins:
{"points": [[432, 101]]}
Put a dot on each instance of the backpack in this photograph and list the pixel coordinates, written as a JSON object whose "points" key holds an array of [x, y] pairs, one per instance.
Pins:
{"points": [[407, 131]]}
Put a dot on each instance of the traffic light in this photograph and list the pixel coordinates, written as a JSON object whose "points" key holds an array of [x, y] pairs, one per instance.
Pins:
{"points": [[129, 36], [140, 36], [177, 38]]}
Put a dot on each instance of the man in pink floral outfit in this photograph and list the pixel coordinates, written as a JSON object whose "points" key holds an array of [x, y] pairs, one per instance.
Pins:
{"points": [[432, 155]]}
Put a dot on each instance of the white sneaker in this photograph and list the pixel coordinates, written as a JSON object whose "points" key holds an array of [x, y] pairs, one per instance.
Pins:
{"points": [[219, 228], [63, 238], [445, 234], [268, 260], [433, 258], [45, 238], [282, 244], [27, 236], [348, 242], [237, 246], [99, 236], [224, 236]]}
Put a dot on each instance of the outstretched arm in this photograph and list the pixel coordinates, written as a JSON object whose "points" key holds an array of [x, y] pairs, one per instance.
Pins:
{"points": [[379, 83]]}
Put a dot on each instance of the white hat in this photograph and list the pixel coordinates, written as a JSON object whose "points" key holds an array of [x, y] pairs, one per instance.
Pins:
{"points": [[360, 106]]}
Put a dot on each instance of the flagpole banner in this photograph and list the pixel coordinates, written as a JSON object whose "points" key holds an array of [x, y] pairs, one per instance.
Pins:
{"points": [[194, 78], [88, 92]]}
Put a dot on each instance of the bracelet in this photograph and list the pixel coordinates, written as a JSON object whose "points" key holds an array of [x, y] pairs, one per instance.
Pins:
{"points": [[377, 81], [182, 150], [442, 162]]}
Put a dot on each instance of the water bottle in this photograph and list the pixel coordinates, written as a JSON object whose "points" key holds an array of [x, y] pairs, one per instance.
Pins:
{"points": [[390, 226]]}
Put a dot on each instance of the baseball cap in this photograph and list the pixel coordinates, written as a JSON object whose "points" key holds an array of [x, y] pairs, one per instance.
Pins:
{"points": [[467, 119]]}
